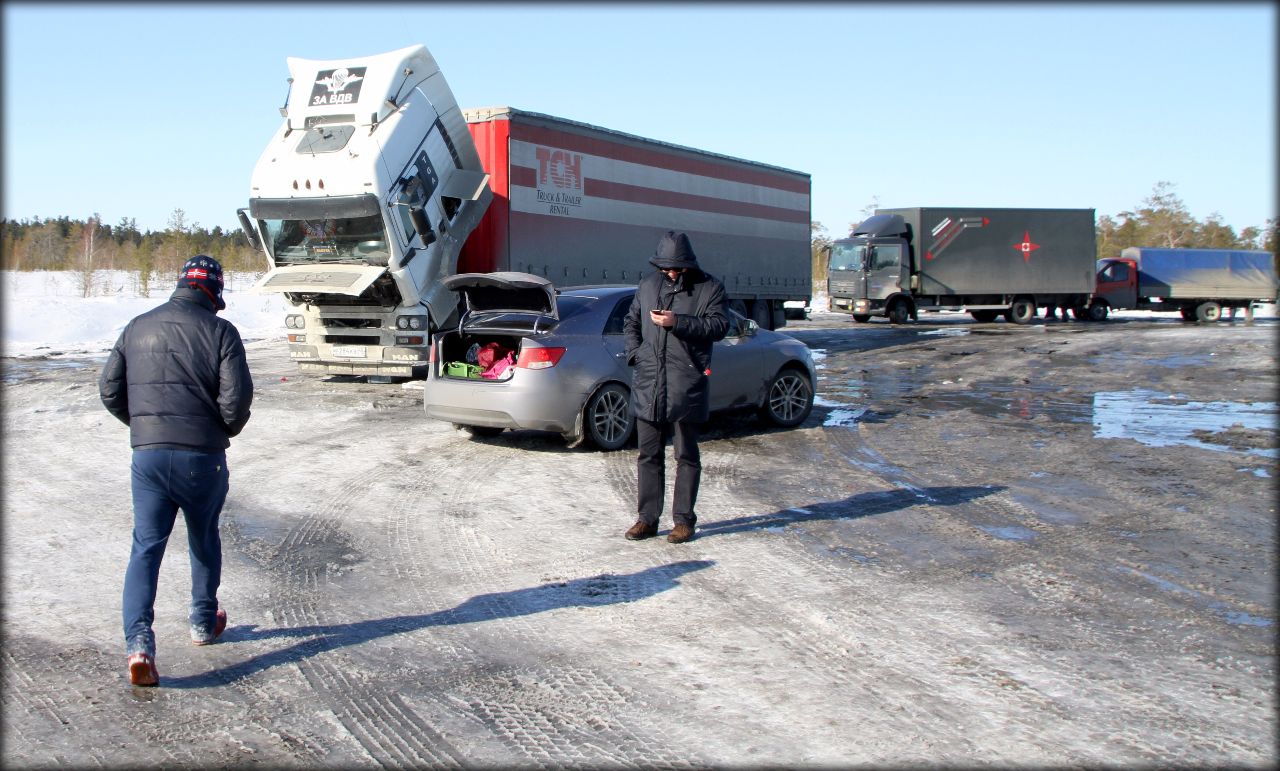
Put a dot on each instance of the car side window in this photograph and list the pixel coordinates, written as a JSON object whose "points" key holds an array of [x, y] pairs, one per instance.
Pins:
{"points": [[614, 324]]}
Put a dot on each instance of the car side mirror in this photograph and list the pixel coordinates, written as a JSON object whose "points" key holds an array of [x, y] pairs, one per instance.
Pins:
{"points": [[749, 328]]}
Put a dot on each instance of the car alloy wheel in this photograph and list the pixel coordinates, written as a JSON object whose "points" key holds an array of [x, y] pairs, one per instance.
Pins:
{"points": [[789, 400], [607, 418]]}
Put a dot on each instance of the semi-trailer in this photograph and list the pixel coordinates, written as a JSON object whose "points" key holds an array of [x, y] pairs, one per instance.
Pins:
{"points": [[377, 186]]}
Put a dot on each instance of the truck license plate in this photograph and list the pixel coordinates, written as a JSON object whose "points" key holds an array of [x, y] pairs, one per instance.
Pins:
{"points": [[349, 351]]}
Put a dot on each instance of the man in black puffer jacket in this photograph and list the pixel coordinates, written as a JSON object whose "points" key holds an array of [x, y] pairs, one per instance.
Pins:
{"points": [[677, 314], [179, 379]]}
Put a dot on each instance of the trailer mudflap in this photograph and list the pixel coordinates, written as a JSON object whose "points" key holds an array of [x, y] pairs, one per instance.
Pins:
{"points": [[321, 279]]}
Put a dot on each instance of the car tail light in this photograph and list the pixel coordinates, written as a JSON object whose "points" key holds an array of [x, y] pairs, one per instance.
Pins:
{"points": [[539, 358]]}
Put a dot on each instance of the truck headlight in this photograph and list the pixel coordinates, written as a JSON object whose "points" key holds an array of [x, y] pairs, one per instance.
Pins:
{"points": [[294, 321]]}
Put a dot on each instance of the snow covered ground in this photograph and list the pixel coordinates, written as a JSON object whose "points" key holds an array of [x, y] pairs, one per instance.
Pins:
{"points": [[46, 312]]}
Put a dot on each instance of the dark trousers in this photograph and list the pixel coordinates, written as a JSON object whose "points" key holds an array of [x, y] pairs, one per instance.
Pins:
{"points": [[651, 469], [164, 481]]}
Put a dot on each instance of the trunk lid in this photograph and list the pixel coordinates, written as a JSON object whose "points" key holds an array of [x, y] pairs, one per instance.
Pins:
{"points": [[520, 303]]}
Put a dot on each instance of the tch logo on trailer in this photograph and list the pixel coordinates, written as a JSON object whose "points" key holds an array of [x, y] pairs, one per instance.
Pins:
{"points": [[340, 86], [561, 167]]}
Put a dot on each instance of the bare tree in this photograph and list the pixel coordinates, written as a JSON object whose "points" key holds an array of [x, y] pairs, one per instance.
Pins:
{"points": [[86, 271]]}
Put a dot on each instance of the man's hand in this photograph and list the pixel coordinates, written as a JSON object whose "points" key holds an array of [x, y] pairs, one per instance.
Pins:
{"points": [[663, 318]]}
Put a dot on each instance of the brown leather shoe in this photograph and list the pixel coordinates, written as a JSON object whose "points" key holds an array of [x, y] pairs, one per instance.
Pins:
{"points": [[642, 530], [680, 534]]}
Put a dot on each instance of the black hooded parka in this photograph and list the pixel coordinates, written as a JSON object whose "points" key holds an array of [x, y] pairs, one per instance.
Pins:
{"points": [[672, 365]]}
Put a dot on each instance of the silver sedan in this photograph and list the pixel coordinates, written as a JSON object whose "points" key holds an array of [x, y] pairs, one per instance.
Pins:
{"points": [[526, 356]]}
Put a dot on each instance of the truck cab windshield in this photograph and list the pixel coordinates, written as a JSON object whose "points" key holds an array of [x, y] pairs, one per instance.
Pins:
{"points": [[848, 256], [354, 239]]}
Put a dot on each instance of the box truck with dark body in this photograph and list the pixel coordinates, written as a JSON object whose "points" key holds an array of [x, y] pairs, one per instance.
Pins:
{"points": [[1198, 283], [986, 261], [376, 187]]}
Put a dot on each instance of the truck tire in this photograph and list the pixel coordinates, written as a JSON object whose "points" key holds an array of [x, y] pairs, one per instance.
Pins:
{"points": [[607, 420], [1096, 311], [789, 398], [762, 314], [1022, 311], [898, 313], [985, 316], [1188, 313], [862, 318], [1208, 311]]}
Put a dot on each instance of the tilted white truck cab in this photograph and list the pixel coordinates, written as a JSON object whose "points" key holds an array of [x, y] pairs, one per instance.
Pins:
{"points": [[361, 202]]}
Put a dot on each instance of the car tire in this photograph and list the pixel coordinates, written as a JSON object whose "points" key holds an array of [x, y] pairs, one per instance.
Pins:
{"points": [[789, 398], [607, 420]]}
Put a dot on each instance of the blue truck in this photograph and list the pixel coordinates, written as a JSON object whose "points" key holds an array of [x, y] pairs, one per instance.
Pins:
{"points": [[1198, 283]]}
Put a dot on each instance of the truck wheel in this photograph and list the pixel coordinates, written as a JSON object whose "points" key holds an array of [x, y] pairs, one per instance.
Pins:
{"points": [[607, 418], [1188, 314], [1022, 311], [1096, 311], [1209, 311], [898, 313], [762, 314], [862, 318], [789, 399], [985, 316]]}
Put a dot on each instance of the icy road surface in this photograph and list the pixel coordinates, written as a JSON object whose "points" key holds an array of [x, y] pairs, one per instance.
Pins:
{"points": [[1044, 545]]}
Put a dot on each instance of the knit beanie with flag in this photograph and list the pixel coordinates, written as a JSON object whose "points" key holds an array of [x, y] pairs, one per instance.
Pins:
{"points": [[204, 273]]}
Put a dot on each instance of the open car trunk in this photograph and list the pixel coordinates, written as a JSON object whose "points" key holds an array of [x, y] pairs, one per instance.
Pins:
{"points": [[500, 311]]}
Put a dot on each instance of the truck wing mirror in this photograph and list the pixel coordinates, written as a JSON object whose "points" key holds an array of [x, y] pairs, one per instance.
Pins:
{"points": [[249, 231]]}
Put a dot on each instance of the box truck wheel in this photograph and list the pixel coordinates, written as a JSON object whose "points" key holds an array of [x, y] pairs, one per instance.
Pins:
{"points": [[985, 316], [1208, 311], [1022, 311], [898, 313], [1097, 311]]}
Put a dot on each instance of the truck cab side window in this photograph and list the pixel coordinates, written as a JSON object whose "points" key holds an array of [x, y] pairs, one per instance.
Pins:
{"points": [[886, 256]]}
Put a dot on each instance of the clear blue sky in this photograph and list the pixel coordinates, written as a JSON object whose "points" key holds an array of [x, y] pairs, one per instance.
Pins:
{"points": [[133, 110]]}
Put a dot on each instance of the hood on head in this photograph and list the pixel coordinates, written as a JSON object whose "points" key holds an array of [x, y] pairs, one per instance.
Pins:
{"points": [[674, 251]]}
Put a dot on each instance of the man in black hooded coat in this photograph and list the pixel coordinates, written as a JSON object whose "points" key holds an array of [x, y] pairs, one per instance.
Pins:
{"points": [[677, 314]]}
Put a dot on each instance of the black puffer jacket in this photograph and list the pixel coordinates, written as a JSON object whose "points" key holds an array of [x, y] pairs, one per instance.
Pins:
{"points": [[178, 377], [670, 380]]}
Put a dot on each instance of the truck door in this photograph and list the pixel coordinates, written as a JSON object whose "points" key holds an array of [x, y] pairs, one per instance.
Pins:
{"points": [[885, 269], [1118, 283]]}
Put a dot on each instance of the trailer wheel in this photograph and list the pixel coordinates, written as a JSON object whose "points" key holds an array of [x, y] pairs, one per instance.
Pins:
{"points": [[1096, 311], [1188, 313], [1208, 311], [1022, 311], [985, 316], [607, 418], [789, 399], [898, 313], [862, 318], [762, 314]]}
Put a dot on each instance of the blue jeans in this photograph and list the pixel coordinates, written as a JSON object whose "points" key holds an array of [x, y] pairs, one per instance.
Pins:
{"points": [[163, 482]]}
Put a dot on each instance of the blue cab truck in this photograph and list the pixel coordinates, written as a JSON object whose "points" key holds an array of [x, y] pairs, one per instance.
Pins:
{"points": [[987, 261], [1198, 283]]}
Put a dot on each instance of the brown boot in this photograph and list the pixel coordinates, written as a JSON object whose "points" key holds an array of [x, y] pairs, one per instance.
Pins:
{"points": [[642, 530], [680, 533]]}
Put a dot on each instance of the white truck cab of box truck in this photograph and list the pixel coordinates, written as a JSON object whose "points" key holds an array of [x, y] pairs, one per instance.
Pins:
{"points": [[361, 202]]}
